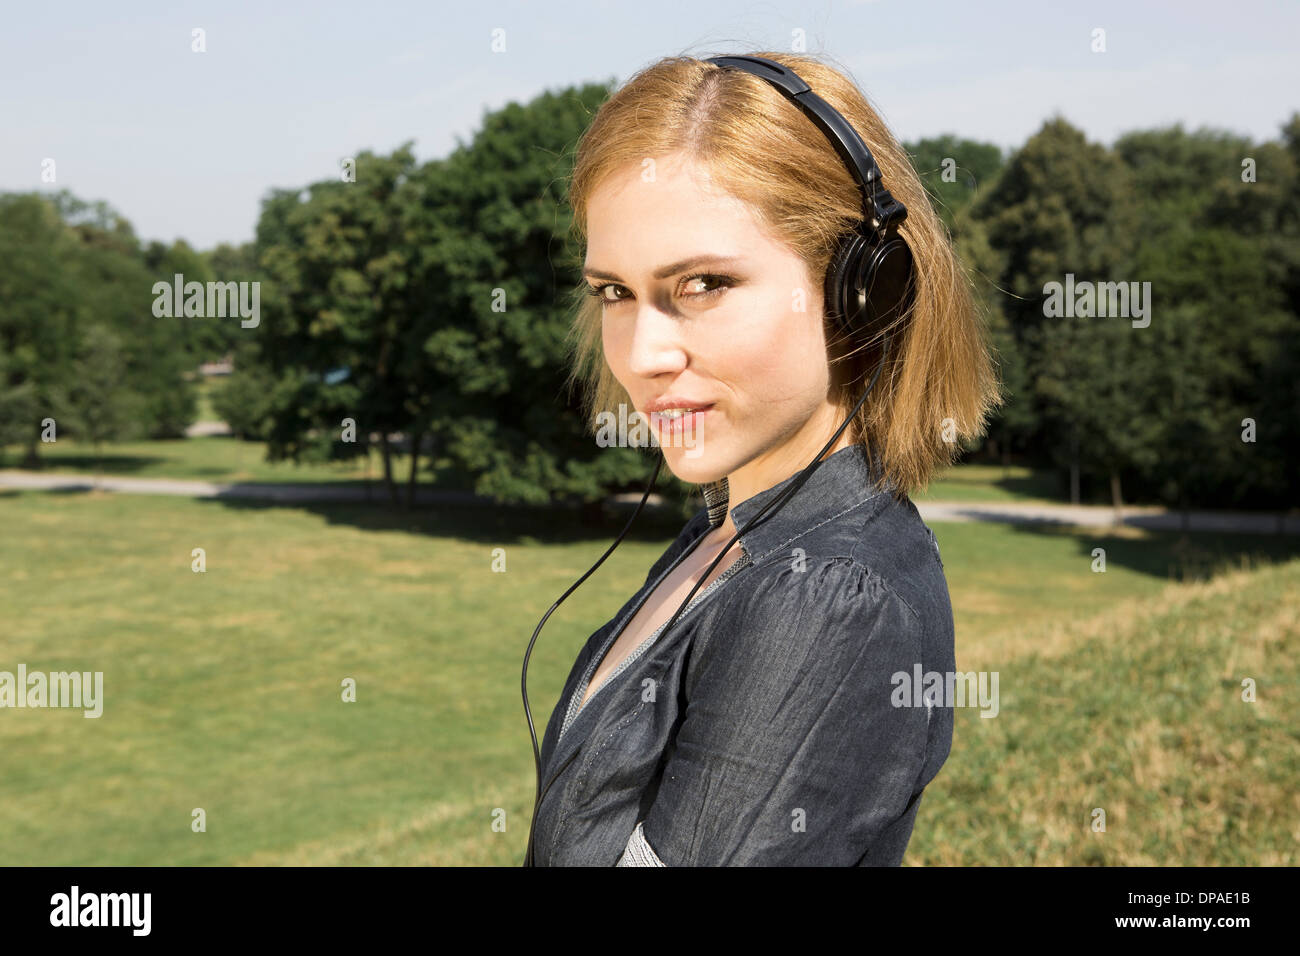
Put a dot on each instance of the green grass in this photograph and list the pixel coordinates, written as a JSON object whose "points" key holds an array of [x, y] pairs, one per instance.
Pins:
{"points": [[994, 483], [1137, 712], [222, 689], [203, 388]]}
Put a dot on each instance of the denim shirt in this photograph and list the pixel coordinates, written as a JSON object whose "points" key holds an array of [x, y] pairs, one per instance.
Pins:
{"points": [[763, 727]]}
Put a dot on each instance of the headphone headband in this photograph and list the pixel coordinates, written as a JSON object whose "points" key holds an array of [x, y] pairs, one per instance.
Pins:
{"points": [[880, 209]]}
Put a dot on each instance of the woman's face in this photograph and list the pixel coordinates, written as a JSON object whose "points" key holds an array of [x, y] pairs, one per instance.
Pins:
{"points": [[701, 307]]}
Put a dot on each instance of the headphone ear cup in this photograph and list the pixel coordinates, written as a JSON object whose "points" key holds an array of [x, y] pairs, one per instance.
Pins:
{"points": [[888, 282], [869, 284], [844, 303]]}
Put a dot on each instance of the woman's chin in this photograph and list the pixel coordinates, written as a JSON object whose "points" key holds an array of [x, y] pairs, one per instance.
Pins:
{"points": [[693, 465]]}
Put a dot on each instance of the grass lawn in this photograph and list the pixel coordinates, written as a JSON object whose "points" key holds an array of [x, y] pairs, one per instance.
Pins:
{"points": [[222, 689], [993, 483], [203, 388]]}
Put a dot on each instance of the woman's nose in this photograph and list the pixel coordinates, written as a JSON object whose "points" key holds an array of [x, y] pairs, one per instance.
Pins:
{"points": [[656, 346]]}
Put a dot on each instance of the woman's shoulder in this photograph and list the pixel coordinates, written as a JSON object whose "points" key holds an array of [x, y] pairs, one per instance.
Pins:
{"points": [[812, 586], [899, 547], [873, 566], [806, 625], [880, 546]]}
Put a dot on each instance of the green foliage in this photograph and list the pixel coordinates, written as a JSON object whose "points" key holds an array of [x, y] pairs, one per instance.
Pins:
{"points": [[96, 404], [1160, 408], [73, 267], [441, 291], [19, 406], [500, 273], [954, 170], [39, 312], [433, 300], [243, 401]]}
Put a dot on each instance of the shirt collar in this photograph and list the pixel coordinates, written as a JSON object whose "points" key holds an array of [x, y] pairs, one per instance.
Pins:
{"points": [[839, 482]]}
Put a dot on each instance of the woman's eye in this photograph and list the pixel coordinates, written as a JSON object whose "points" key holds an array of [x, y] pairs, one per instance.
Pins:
{"points": [[712, 285], [599, 292], [707, 286]]}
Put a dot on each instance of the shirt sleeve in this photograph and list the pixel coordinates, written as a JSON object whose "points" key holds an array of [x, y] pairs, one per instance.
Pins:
{"points": [[791, 750]]}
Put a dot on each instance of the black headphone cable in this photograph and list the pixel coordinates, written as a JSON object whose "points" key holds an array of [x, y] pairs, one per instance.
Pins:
{"points": [[532, 731]]}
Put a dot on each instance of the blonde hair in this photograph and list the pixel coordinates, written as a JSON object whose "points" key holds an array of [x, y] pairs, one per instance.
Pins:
{"points": [[938, 381]]}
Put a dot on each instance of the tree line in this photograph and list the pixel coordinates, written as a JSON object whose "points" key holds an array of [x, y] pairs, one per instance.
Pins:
{"points": [[1143, 299]]}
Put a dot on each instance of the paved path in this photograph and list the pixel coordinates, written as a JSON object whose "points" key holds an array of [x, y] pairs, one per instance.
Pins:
{"points": [[207, 429], [1152, 518], [262, 491]]}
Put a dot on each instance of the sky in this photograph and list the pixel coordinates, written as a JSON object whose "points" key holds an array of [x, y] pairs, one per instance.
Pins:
{"points": [[186, 144]]}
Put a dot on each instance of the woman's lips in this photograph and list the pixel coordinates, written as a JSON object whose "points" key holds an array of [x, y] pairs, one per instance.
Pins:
{"points": [[687, 425]]}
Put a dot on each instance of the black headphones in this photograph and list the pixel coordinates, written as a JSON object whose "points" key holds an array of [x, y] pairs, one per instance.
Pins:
{"points": [[868, 286], [869, 274]]}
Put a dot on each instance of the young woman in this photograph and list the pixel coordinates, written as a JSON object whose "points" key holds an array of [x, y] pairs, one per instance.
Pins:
{"points": [[765, 726]]}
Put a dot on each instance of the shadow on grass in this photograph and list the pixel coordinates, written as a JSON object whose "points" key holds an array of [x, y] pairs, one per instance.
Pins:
{"points": [[1173, 555], [488, 523], [109, 465], [1042, 483], [1167, 555], [1037, 485]]}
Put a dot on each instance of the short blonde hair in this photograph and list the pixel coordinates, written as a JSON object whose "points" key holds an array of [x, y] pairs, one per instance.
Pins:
{"points": [[760, 148]]}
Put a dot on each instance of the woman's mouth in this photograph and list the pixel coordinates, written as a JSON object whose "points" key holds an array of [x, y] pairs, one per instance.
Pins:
{"points": [[680, 422]]}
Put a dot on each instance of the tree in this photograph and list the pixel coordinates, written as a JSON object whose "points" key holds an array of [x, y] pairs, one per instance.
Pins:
{"points": [[39, 309], [954, 171], [434, 300], [337, 264], [1063, 208], [498, 279], [1216, 245], [71, 264], [243, 400], [116, 290], [97, 405]]}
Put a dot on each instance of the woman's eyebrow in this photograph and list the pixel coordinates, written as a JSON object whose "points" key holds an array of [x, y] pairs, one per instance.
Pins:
{"points": [[663, 272]]}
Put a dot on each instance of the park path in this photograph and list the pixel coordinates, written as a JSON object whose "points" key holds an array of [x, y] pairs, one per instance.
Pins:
{"points": [[1150, 518], [254, 490]]}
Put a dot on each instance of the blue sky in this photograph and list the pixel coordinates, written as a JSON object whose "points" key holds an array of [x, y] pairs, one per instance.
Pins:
{"points": [[186, 144]]}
